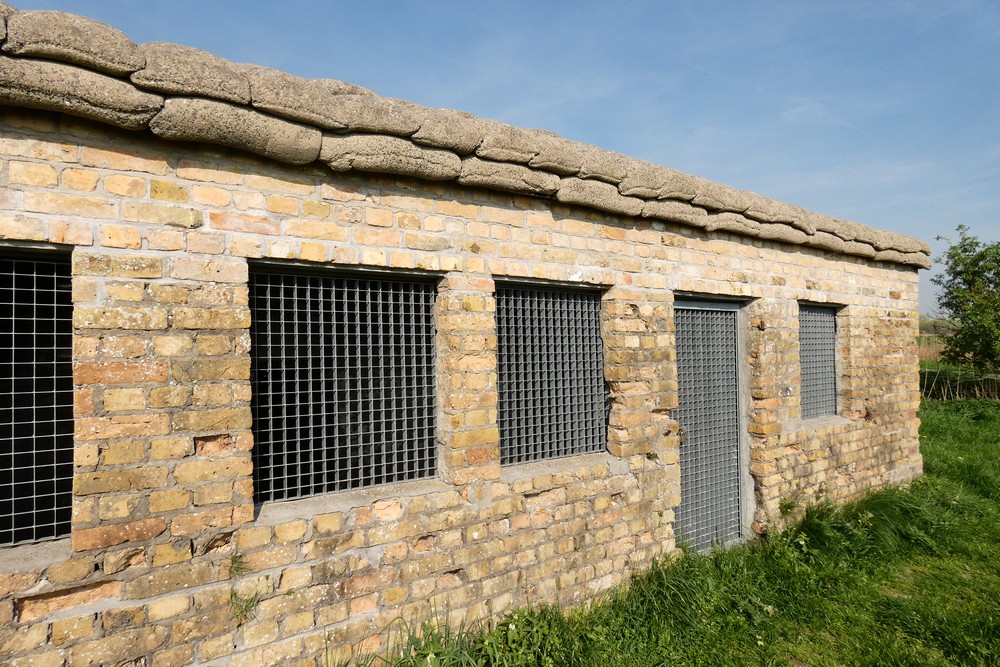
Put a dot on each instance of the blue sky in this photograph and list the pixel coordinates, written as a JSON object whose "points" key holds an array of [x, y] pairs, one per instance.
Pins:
{"points": [[886, 112]]}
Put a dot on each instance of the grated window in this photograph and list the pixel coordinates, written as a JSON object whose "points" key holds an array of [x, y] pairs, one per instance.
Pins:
{"points": [[708, 415], [343, 382], [553, 397], [818, 360], [36, 399]]}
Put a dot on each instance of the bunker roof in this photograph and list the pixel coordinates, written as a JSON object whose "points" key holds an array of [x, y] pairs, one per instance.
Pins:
{"points": [[78, 66]]}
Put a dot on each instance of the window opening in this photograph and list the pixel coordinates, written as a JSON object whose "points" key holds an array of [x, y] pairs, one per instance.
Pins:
{"points": [[553, 399], [343, 382], [818, 360], [36, 399]]}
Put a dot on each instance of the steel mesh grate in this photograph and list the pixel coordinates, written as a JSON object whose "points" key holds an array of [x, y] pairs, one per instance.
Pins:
{"points": [[36, 399], [818, 360], [343, 382], [709, 417], [553, 400]]}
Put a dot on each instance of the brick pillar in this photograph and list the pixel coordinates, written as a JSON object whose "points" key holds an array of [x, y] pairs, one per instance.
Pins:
{"points": [[162, 438], [467, 379]]}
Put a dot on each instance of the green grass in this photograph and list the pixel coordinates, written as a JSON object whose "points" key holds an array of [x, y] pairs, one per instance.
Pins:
{"points": [[902, 577]]}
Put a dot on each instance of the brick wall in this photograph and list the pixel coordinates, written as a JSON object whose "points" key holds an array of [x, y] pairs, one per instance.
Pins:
{"points": [[166, 537]]}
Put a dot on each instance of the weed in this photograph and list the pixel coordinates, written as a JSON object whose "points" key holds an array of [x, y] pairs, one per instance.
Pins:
{"points": [[243, 607], [237, 566]]}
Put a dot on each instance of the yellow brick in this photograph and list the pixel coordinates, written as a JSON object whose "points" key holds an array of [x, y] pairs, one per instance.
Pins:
{"points": [[260, 182], [172, 346], [116, 507], [314, 209], [165, 239], [378, 217], [167, 191], [174, 216], [130, 291], [126, 186], [168, 607], [119, 236], [208, 244], [289, 532], [312, 252], [67, 571], [81, 179], [314, 229], [60, 204], [129, 451], [211, 196], [168, 500], [169, 554], [454, 208], [32, 173], [213, 494], [248, 538], [71, 232], [123, 161], [279, 204], [116, 400], [328, 523], [171, 448], [72, 629]]}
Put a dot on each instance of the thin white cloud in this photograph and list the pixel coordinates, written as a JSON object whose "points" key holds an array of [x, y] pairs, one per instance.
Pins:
{"points": [[810, 111]]}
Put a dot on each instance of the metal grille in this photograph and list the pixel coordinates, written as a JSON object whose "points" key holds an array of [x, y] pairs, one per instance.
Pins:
{"points": [[343, 382], [709, 417], [818, 360], [553, 397], [36, 399]]}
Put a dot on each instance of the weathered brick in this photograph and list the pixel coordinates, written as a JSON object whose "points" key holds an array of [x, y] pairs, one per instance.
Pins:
{"points": [[181, 217], [120, 236], [168, 500], [206, 243], [61, 204], [288, 184], [109, 481], [110, 535], [69, 630], [122, 426], [170, 579], [111, 508], [70, 570], [315, 229], [243, 222], [214, 445], [122, 452], [119, 372], [171, 448], [215, 269], [171, 396], [38, 606], [31, 173], [178, 551], [19, 228], [167, 191], [212, 419], [212, 470], [206, 171], [169, 607], [211, 318], [125, 186], [211, 370], [122, 161]]}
